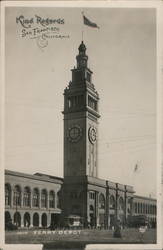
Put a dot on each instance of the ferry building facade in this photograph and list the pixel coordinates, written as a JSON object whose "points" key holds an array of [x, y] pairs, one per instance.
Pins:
{"points": [[40, 200]]}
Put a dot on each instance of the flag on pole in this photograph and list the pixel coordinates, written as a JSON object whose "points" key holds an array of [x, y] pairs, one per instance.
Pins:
{"points": [[89, 23]]}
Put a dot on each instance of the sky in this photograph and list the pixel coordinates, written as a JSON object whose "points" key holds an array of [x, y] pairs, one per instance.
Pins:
{"points": [[122, 56]]}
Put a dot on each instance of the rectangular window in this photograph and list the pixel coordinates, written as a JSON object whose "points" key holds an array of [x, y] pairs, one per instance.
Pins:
{"points": [[17, 199], [35, 200], [43, 200], [91, 195], [75, 101], [92, 103]]}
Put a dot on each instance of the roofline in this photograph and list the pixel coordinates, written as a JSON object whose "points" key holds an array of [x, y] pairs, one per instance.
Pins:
{"points": [[145, 197], [35, 177]]}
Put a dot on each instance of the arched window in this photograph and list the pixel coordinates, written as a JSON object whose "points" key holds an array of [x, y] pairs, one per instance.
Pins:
{"points": [[35, 198], [7, 195], [101, 201], [26, 197], [112, 202], [17, 196], [51, 199], [43, 198], [121, 204]]}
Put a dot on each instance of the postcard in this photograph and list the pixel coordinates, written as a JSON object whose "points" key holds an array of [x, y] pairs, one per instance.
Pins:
{"points": [[81, 125]]}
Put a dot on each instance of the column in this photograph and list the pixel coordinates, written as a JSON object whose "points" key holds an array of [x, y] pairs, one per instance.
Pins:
{"points": [[31, 199], [21, 199], [56, 198], [48, 219], [12, 197], [39, 199], [22, 220], [40, 224], [107, 217], [47, 201], [12, 216], [31, 220]]}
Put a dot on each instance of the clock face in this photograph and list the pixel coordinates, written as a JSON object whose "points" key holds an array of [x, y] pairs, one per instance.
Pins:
{"points": [[74, 133], [92, 134]]}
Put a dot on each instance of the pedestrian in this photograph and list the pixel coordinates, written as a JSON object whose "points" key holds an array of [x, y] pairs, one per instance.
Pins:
{"points": [[117, 230]]}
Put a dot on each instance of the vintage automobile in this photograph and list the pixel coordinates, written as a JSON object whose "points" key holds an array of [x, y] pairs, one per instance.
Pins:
{"points": [[73, 222], [10, 226], [137, 221]]}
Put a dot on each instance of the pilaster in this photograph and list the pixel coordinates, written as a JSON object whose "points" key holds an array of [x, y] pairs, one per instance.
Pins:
{"points": [[97, 208]]}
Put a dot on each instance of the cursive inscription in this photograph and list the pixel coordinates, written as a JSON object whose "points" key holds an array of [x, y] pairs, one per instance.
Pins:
{"points": [[41, 29]]}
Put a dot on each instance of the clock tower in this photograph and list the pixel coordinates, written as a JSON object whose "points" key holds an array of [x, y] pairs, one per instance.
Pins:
{"points": [[81, 121], [80, 138]]}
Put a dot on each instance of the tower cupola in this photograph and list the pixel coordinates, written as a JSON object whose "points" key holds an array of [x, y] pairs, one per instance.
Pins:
{"points": [[82, 48], [82, 58]]}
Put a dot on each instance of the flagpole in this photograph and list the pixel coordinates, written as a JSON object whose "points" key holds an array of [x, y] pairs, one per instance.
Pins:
{"points": [[82, 25]]}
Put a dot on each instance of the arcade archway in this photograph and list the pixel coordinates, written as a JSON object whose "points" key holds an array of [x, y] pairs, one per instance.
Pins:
{"points": [[7, 217], [35, 220], [27, 220], [44, 220], [17, 219]]}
